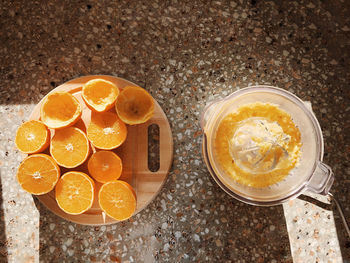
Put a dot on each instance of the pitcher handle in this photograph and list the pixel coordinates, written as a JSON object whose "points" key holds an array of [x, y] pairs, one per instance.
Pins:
{"points": [[322, 179]]}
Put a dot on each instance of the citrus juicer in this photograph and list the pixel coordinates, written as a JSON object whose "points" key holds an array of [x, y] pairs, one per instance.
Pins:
{"points": [[245, 147], [258, 145]]}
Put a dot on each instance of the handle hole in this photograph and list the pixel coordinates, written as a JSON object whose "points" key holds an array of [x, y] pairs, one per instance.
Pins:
{"points": [[153, 148]]}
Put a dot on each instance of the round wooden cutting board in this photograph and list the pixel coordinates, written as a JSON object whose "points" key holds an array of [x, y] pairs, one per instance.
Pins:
{"points": [[133, 152]]}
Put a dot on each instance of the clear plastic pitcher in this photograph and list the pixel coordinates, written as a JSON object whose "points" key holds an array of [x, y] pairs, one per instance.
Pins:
{"points": [[311, 173]]}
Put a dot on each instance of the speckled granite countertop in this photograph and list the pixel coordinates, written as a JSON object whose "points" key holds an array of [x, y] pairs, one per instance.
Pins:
{"points": [[185, 53]]}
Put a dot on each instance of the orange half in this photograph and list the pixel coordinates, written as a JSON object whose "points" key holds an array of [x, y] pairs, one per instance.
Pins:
{"points": [[117, 199], [60, 109], [106, 131], [134, 105], [69, 147], [99, 94], [38, 174], [32, 137], [75, 192], [105, 166]]}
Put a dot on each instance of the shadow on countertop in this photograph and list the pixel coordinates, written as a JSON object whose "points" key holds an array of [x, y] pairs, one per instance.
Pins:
{"points": [[3, 241], [186, 53], [343, 237], [258, 234]]}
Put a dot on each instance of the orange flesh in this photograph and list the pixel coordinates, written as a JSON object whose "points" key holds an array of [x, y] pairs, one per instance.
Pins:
{"points": [[75, 192], [69, 147], [105, 166], [134, 105], [60, 109], [117, 199], [38, 174], [106, 131], [32, 137], [100, 94]]}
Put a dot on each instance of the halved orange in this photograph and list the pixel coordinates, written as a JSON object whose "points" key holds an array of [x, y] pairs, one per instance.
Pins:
{"points": [[105, 166], [32, 137], [38, 174], [69, 147], [117, 199], [106, 131], [60, 109], [75, 192], [134, 105], [99, 94]]}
